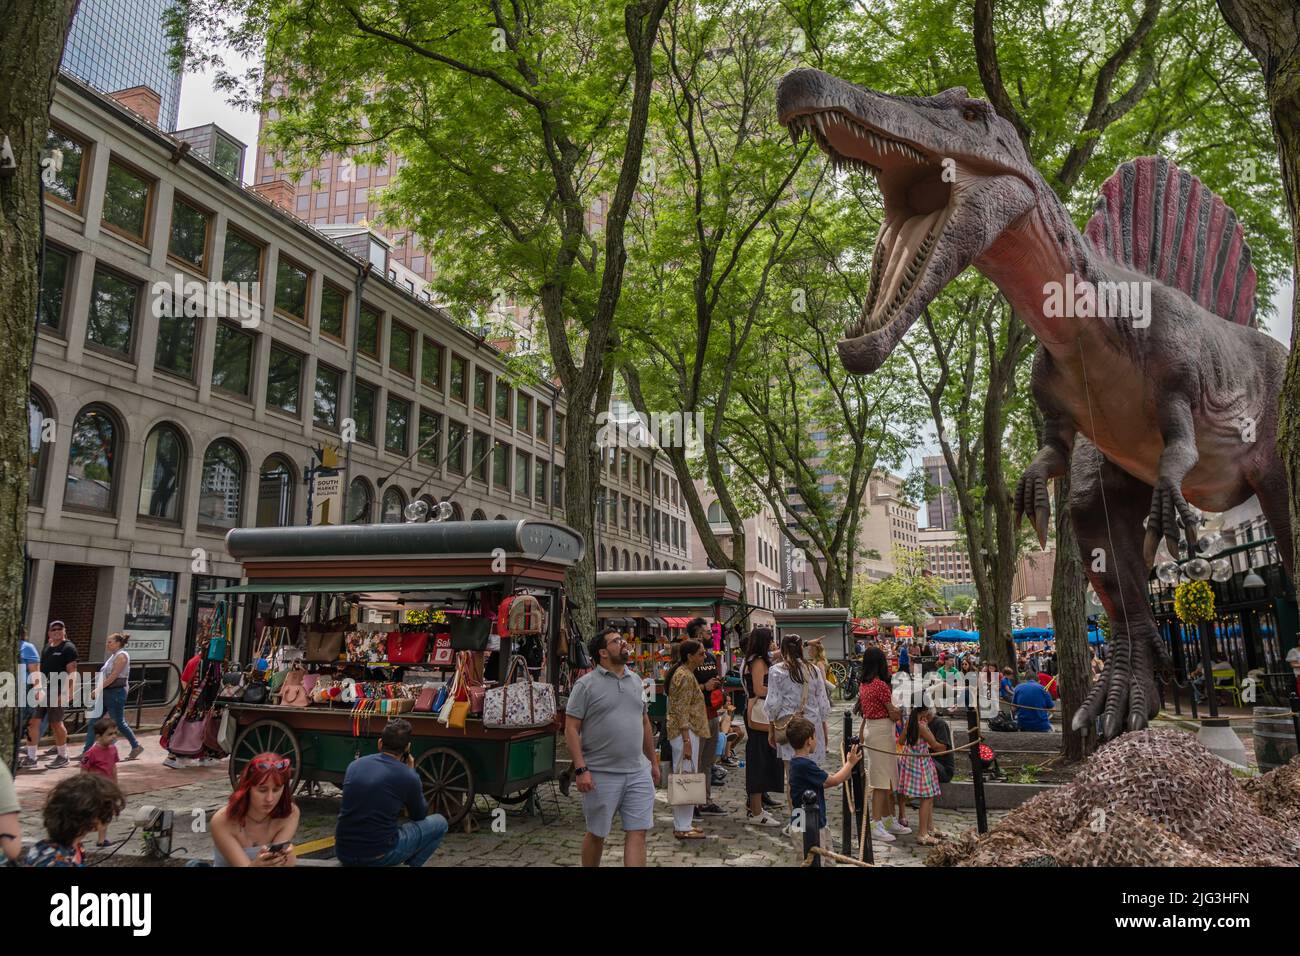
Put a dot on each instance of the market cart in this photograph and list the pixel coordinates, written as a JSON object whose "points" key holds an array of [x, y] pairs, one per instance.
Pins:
{"points": [[834, 625], [385, 568]]}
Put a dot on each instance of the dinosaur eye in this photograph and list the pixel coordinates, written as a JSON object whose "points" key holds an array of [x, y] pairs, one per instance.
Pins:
{"points": [[970, 114]]}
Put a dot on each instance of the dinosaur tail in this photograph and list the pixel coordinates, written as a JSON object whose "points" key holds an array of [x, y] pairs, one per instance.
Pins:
{"points": [[1157, 219]]}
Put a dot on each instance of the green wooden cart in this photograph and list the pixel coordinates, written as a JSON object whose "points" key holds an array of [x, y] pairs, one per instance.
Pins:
{"points": [[411, 565]]}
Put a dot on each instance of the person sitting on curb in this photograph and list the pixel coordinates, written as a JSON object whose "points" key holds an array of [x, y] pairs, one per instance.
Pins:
{"points": [[75, 807], [257, 825], [1031, 701], [375, 789]]}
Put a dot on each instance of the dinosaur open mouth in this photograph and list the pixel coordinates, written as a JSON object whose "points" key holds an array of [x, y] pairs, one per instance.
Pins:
{"points": [[919, 205]]}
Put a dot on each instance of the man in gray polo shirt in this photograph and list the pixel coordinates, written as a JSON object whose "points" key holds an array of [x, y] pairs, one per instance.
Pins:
{"points": [[608, 732]]}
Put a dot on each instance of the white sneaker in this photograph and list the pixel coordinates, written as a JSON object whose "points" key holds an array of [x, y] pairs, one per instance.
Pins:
{"points": [[893, 826], [880, 834], [763, 819]]}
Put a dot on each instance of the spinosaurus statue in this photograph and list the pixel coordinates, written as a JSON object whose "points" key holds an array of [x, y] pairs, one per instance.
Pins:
{"points": [[1158, 393]]}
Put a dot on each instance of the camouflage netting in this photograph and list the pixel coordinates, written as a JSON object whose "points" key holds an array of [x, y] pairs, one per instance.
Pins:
{"points": [[1149, 798]]}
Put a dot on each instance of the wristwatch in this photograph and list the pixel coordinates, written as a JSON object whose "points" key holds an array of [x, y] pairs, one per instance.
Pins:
{"points": [[579, 771]]}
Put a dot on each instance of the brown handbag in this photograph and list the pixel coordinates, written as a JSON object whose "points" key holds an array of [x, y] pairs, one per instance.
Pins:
{"points": [[323, 644]]}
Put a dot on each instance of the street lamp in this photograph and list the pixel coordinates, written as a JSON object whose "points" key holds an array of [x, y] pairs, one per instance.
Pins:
{"points": [[1253, 581]]}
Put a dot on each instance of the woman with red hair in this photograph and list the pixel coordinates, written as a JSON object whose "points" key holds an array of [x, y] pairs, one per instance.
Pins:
{"points": [[257, 826]]}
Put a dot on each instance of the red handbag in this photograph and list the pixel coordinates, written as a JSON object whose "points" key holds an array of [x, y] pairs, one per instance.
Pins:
{"points": [[407, 647], [424, 702]]}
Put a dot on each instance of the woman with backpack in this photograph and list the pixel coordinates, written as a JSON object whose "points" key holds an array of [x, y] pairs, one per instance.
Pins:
{"points": [[795, 688]]}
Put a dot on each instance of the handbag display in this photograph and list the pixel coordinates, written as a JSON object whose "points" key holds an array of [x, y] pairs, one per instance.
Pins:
{"points": [[686, 789], [187, 739], [323, 644], [470, 633], [255, 692], [781, 723], [519, 704], [520, 615], [407, 647]]}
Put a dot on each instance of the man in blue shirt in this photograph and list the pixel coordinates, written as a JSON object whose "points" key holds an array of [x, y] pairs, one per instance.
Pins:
{"points": [[30, 661], [375, 789], [1031, 694]]}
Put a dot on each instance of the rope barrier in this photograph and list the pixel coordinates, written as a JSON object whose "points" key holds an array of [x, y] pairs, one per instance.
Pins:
{"points": [[837, 857]]}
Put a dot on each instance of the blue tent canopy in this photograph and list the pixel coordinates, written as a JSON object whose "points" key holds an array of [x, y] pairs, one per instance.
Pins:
{"points": [[1033, 634], [952, 636]]}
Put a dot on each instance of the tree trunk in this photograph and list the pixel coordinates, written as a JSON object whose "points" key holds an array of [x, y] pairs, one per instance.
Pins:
{"points": [[580, 483], [31, 46], [1271, 31], [1074, 667]]}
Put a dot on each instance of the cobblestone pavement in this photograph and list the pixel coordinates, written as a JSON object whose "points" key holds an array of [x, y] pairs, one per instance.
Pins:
{"points": [[552, 838]]}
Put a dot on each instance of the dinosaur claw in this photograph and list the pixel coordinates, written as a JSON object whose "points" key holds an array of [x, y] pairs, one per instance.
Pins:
{"points": [[1042, 522], [1150, 545], [1081, 719]]}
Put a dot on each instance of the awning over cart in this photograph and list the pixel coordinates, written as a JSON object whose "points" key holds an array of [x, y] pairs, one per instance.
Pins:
{"points": [[363, 587]]}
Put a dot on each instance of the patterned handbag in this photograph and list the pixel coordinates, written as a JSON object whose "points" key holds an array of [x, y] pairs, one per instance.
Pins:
{"points": [[519, 615], [519, 704]]}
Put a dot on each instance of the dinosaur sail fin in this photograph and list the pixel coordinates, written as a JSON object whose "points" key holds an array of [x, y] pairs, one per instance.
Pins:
{"points": [[1160, 220]]}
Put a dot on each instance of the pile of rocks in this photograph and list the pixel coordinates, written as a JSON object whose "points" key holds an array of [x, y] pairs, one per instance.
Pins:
{"points": [[1149, 798]]}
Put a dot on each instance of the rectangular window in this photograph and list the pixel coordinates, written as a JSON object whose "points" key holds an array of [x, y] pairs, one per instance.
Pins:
{"points": [[557, 487], [459, 374], [480, 462], [232, 360], [68, 156], [543, 420], [291, 290], [175, 348], [284, 380], [523, 473], [503, 401], [482, 383], [523, 412], [401, 344], [431, 364], [333, 309], [397, 425], [636, 517], [539, 480], [627, 512], [456, 448], [329, 390], [559, 429], [636, 474], [227, 158], [54, 283], [501, 466], [126, 202], [626, 467], [188, 242], [113, 304], [363, 411], [430, 437], [368, 332], [243, 259]]}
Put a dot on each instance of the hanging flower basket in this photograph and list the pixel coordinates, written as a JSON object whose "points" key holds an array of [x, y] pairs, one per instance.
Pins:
{"points": [[1194, 602]]}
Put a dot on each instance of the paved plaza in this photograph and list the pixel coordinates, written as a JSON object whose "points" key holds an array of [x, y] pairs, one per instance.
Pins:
{"points": [[551, 838]]}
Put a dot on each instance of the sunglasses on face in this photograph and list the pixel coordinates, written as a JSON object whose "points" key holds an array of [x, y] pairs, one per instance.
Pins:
{"points": [[279, 766]]}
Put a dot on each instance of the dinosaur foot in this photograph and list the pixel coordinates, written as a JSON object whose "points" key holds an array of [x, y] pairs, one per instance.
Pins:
{"points": [[1125, 696], [1170, 512], [1032, 499]]}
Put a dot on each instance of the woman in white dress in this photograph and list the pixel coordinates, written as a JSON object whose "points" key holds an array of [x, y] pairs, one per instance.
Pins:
{"points": [[794, 686]]}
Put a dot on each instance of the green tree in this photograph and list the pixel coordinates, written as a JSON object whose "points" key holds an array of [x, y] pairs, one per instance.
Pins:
{"points": [[31, 46], [511, 122], [910, 592]]}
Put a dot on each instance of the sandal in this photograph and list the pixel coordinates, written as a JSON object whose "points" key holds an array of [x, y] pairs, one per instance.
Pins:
{"points": [[927, 840], [691, 834]]}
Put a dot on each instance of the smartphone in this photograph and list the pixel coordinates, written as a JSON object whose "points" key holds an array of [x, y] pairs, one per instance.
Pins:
{"points": [[278, 847]]}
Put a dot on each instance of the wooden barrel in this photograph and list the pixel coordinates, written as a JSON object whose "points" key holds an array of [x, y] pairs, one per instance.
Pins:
{"points": [[1275, 742]]}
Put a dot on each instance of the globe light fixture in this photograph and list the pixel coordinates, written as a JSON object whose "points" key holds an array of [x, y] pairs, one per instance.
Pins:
{"points": [[1209, 543], [444, 512], [417, 510], [1167, 572], [1198, 569], [1221, 570]]}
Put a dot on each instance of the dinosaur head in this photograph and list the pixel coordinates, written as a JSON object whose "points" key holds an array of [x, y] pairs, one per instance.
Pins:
{"points": [[953, 175]]}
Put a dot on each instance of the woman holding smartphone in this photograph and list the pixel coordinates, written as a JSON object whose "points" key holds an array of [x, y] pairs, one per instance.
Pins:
{"points": [[257, 826]]}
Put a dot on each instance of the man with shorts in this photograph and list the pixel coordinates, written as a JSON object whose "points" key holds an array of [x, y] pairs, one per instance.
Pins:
{"points": [[607, 729], [30, 661], [58, 665]]}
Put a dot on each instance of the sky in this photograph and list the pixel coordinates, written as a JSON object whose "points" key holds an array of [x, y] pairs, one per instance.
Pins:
{"points": [[200, 104]]}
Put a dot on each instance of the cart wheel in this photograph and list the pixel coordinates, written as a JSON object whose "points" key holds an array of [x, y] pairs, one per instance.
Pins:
{"points": [[514, 799], [266, 736], [839, 672], [448, 783]]}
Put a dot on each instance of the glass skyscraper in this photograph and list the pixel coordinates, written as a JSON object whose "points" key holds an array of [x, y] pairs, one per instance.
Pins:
{"points": [[117, 44]]}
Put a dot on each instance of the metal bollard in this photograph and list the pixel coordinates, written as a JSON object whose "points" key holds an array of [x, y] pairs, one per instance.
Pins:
{"points": [[1295, 717], [847, 799], [976, 770], [811, 825]]}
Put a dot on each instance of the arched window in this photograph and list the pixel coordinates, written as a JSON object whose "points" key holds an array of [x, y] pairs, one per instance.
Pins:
{"points": [[478, 515], [222, 486], [275, 493], [715, 514], [394, 504], [92, 461], [360, 502], [656, 564], [457, 512], [37, 414], [600, 564], [501, 518], [636, 562], [627, 561], [161, 475]]}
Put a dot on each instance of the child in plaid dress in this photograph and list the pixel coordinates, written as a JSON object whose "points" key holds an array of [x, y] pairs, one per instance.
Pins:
{"points": [[917, 776]]}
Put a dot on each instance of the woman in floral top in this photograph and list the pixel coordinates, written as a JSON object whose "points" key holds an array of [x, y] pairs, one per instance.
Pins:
{"points": [[875, 699], [75, 807], [688, 724]]}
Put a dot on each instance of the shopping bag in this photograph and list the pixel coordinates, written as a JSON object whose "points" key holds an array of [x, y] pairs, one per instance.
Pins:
{"points": [[687, 789]]}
